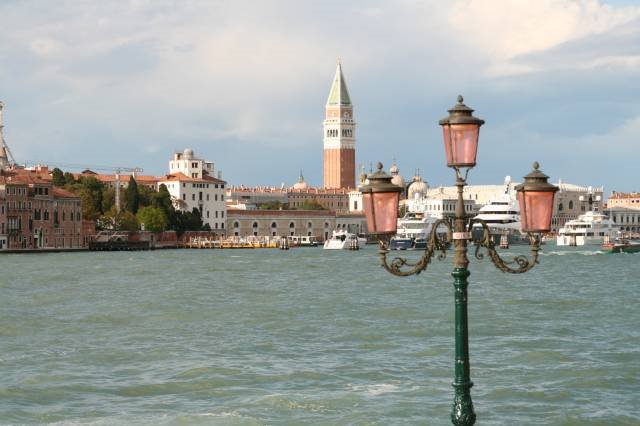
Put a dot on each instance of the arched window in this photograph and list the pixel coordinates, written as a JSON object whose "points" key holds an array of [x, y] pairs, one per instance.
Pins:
{"points": [[255, 225], [274, 225], [326, 224], [236, 224], [560, 206], [570, 204], [309, 225], [292, 225]]}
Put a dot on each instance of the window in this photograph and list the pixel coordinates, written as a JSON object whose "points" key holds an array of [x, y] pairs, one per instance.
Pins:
{"points": [[216, 214], [560, 207], [255, 225], [571, 205], [292, 225], [215, 197], [193, 197], [236, 224], [207, 214], [274, 225], [184, 197], [222, 213], [207, 195]]}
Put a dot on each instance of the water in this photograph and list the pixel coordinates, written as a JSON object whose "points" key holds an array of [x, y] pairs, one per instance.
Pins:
{"points": [[263, 337]]}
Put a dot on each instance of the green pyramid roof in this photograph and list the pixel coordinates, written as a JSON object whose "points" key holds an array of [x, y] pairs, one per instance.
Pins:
{"points": [[339, 95]]}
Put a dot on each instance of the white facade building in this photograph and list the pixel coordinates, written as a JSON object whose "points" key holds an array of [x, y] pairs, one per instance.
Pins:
{"points": [[192, 185]]}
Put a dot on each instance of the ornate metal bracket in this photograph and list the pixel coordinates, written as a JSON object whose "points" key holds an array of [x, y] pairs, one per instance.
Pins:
{"points": [[486, 241], [436, 242]]}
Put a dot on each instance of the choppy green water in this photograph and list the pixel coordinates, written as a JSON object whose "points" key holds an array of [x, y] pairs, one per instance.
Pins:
{"points": [[309, 336]]}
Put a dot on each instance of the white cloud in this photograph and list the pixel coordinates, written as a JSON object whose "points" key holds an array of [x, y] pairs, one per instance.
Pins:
{"points": [[504, 30]]}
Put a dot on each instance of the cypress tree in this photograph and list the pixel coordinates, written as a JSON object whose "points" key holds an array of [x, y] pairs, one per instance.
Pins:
{"points": [[133, 198]]}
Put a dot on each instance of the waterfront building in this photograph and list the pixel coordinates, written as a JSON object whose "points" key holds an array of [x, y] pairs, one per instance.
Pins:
{"points": [[353, 222], [250, 198], [627, 219], [38, 215], [192, 185], [628, 200], [339, 136], [3, 223], [318, 223], [573, 200], [336, 199]]}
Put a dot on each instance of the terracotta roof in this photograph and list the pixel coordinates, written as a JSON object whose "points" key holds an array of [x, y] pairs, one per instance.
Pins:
{"points": [[63, 193], [279, 213], [24, 178], [181, 177], [112, 178]]}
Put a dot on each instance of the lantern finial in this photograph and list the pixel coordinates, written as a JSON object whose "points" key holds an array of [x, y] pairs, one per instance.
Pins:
{"points": [[379, 166], [536, 165], [460, 99]]}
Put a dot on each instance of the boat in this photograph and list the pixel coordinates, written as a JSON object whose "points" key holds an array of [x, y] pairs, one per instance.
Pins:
{"points": [[400, 242], [413, 230], [622, 246], [302, 241], [590, 228], [342, 240], [502, 216]]}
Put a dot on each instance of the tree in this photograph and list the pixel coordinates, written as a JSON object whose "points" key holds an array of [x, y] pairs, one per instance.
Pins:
{"points": [[90, 191], [69, 179], [126, 221], [312, 205], [58, 177], [132, 197], [153, 218], [273, 205], [162, 200]]}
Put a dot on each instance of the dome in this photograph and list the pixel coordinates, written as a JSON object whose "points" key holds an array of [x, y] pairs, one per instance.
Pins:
{"points": [[397, 180], [418, 187], [301, 184], [188, 153]]}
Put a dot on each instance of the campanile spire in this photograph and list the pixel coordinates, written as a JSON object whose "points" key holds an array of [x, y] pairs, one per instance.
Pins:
{"points": [[339, 135]]}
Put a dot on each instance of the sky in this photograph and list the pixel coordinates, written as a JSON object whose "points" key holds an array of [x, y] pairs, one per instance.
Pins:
{"points": [[244, 84]]}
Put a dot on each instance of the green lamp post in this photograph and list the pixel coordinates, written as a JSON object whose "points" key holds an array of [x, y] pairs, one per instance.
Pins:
{"points": [[461, 132]]}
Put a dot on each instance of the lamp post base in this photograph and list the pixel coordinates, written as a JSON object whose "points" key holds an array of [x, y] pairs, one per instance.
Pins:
{"points": [[462, 413]]}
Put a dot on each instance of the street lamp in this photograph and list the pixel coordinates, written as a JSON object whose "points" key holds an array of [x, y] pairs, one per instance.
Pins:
{"points": [[461, 130]]}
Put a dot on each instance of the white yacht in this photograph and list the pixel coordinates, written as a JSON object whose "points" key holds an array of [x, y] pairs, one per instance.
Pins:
{"points": [[502, 215], [590, 228], [413, 229], [342, 240]]}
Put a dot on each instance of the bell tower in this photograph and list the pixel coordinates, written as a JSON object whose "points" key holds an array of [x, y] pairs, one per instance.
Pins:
{"points": [[339, 136]]}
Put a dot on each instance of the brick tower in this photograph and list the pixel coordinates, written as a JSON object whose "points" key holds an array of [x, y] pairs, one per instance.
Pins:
{"points": [[339, 136]]}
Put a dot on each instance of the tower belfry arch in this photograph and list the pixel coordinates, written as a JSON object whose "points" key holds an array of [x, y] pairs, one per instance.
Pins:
{"points": [[339, 169]]}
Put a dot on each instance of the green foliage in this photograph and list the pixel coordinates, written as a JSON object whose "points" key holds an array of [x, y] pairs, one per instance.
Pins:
{"points": [[127, 221], [154, 219], [69, 179], [132, 198], [162, 200], [90, 191], [145, 196], [312, 205], [273, 205], [186, 221], [58, 177]]}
